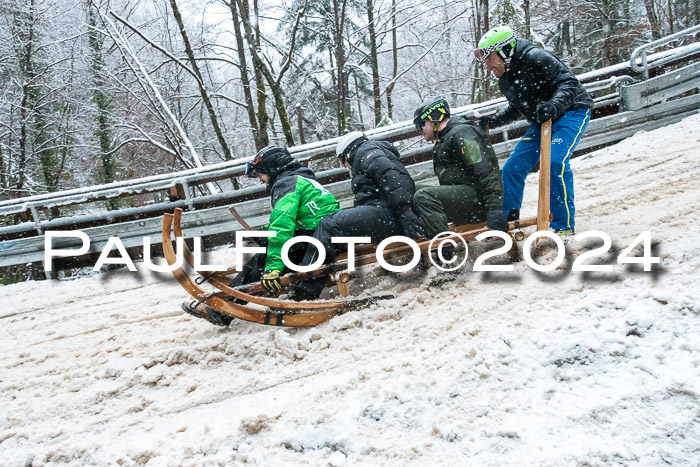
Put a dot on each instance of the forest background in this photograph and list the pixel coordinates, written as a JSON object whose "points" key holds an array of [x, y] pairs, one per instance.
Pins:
{"points": [[93, 92]]}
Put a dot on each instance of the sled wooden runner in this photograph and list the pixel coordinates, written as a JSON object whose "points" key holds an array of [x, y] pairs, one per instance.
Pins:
{"points": [[235, 302]]}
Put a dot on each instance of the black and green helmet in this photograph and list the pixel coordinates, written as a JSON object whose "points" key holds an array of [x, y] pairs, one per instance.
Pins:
{"points": [[435, 109], [271, 161]]}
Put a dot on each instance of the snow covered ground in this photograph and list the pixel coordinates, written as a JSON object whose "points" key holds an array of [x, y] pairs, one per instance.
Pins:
{"points": [[521, 368]]}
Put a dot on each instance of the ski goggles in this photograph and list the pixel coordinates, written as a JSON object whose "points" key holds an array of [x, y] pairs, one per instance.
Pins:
{"points": [[250, 169], [419, 124], [483, 53]]}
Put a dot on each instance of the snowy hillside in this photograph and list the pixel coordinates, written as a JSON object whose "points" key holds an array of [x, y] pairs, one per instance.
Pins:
{"points": [[521, 368]]}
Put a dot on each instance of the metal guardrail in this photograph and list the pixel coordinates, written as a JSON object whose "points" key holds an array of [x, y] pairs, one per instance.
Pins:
{"points": [[644, 103], [218, 220], [660, 89], [645, 48]]}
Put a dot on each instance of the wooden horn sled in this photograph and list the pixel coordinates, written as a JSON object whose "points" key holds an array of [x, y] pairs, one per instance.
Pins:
{"points": [[253, 303]]}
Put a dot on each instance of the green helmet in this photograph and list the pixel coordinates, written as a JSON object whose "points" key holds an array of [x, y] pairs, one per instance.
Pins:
{"points": [[500, 39], [434, 109]]}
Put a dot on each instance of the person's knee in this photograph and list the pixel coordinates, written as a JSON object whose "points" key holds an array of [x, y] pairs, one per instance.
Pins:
{"points": [[514, 168], [423, 199]]}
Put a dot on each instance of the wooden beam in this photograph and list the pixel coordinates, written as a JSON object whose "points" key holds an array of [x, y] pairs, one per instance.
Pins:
{"points": [[545, 176]]}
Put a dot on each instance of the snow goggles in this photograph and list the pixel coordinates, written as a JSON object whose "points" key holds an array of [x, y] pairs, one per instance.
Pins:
{"points": [[419, 124], [250, 169], [483, 53]]}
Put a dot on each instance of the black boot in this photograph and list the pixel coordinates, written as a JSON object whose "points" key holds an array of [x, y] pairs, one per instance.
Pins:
{"points": [[208, 313], [514, 215], [308, 290]]}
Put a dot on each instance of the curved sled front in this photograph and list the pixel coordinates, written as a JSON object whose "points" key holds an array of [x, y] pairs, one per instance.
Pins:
{"points": [[325, 310]]}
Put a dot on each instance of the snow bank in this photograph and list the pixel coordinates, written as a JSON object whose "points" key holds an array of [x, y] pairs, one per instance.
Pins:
{"points": [[522, 368]]}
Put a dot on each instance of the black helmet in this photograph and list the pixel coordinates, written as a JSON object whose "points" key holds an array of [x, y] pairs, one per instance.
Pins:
{"points": [[435, 109], [272, 161]]}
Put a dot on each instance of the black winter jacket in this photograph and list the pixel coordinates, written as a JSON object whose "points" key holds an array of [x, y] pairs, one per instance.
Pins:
{"points": [[534, 76], [379, 179]]}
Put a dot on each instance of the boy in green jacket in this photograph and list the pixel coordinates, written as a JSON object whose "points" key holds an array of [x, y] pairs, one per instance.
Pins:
{"points": [[299, 202]]}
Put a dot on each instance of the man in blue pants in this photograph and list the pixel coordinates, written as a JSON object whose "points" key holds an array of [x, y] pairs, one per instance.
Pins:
{"points": [[540, 87]]}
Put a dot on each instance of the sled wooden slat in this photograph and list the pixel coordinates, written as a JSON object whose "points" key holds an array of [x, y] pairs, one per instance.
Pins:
{"points": [[319, 305]]}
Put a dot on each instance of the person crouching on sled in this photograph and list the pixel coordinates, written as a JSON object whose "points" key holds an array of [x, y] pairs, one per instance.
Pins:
{"points": [[299, 202], [465, 164], [383, 206]]}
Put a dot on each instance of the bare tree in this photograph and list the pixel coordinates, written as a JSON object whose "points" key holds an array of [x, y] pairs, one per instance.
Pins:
{"points": [[394, 61], [259, 131], [260, 65], [374, 62], [200, 82], [653, 18]]}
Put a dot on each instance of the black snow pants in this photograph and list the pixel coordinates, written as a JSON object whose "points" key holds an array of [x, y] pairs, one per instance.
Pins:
{"points": [[254, 268], [377, 222]]}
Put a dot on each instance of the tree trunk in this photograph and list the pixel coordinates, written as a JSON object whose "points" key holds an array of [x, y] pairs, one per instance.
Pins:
{"points": [[101, 100], [609, 31], [395, 57], [260, 91], [300, 124], [3, 171], [260, 66], [260, 142], [526, 10], [566, 36], [481, 26], [653, 19], [359, 107], [374, 63], [339, 26], [200, 81]]}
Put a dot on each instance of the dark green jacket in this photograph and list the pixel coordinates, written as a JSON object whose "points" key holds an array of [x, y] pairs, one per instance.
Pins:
{"points": [[464, 156], [298, 202]]}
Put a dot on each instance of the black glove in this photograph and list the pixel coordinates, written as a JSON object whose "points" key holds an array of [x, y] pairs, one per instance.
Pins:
{"points": [[496, 220], [484, 121], [411, 224], [271, 280], [545, 111]]}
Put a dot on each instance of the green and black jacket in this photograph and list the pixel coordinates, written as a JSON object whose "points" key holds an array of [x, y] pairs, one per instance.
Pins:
{"points": [[299, 202], [464, 156]]}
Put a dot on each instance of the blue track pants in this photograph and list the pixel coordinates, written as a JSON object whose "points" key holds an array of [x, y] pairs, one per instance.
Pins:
{"points": [[566, 133]]}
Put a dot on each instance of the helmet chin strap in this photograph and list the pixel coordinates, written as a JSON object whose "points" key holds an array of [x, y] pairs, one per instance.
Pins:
{"points": [[436, 131], [507, 58]]}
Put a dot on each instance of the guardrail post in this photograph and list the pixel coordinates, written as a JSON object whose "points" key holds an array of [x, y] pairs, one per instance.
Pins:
{"points": [[37, 221], [181, 191]]}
